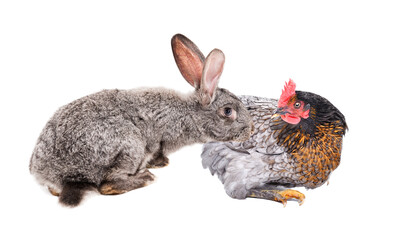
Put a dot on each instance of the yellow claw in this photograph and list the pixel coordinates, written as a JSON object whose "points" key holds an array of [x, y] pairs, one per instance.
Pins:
{"points": [[285, 195]]}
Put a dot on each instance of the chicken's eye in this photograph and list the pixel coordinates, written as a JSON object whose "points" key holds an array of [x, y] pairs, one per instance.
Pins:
{"points": [[297, 105]]}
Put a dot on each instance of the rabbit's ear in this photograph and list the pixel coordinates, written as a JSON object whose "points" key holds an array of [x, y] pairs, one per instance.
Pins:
{"points": [[189, 59], [212, 70]]}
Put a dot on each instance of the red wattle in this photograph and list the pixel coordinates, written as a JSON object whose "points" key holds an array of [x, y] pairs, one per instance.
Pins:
{"points": [[290, 119]]}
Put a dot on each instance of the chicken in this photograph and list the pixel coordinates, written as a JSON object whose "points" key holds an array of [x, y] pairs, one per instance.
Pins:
{"points": [[297, 143]]}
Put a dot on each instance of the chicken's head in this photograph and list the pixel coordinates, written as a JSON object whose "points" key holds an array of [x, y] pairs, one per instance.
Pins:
{"points": [[290, 108]]}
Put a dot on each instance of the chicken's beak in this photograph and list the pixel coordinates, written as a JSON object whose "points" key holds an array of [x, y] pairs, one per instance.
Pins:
{"points": [[279, 112]]}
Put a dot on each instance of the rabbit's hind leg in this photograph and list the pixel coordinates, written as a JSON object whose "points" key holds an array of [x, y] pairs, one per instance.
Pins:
{"points": [[53, 192], [124, 184]]}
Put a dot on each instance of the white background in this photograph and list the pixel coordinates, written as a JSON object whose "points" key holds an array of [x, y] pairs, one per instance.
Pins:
{"points": [[53, 52]]}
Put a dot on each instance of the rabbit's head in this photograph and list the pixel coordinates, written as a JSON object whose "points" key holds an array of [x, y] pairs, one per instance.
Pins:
{"points": [[221, 115]]}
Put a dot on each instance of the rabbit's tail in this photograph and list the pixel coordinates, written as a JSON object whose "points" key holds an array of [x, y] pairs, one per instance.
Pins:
{"points": [[73, 192]]}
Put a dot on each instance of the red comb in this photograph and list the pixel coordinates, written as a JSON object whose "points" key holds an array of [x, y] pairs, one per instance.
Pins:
{"points": [[287, 92]]}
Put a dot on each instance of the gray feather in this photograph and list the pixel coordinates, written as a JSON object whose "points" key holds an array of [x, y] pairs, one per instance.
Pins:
{"points": [[254, 163]]}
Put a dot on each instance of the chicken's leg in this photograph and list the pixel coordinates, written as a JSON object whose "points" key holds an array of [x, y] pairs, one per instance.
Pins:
{"points": [[277, 195]]}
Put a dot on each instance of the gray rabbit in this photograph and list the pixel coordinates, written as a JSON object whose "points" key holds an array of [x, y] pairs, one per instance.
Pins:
{"points": [[107, 140]]}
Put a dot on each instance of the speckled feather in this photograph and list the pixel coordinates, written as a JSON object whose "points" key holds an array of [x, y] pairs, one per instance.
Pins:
{"points": [[277, 154]]}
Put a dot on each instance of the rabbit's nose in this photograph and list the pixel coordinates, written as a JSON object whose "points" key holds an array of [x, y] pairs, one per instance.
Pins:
{"points": [[252, 128]]}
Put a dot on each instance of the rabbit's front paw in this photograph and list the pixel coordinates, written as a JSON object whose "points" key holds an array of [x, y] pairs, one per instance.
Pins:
{"points": [[110, 188], [158, 162], [114, 187]]}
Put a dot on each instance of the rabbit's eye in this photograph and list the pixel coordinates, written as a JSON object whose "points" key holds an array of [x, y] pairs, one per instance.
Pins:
{"points": [[228, 112]]}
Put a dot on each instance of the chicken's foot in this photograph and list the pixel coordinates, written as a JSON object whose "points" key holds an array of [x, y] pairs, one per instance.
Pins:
{"points": [[277, 195]]}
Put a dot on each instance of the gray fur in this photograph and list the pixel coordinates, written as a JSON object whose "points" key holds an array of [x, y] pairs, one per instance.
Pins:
{"points": [[113, 134]]}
